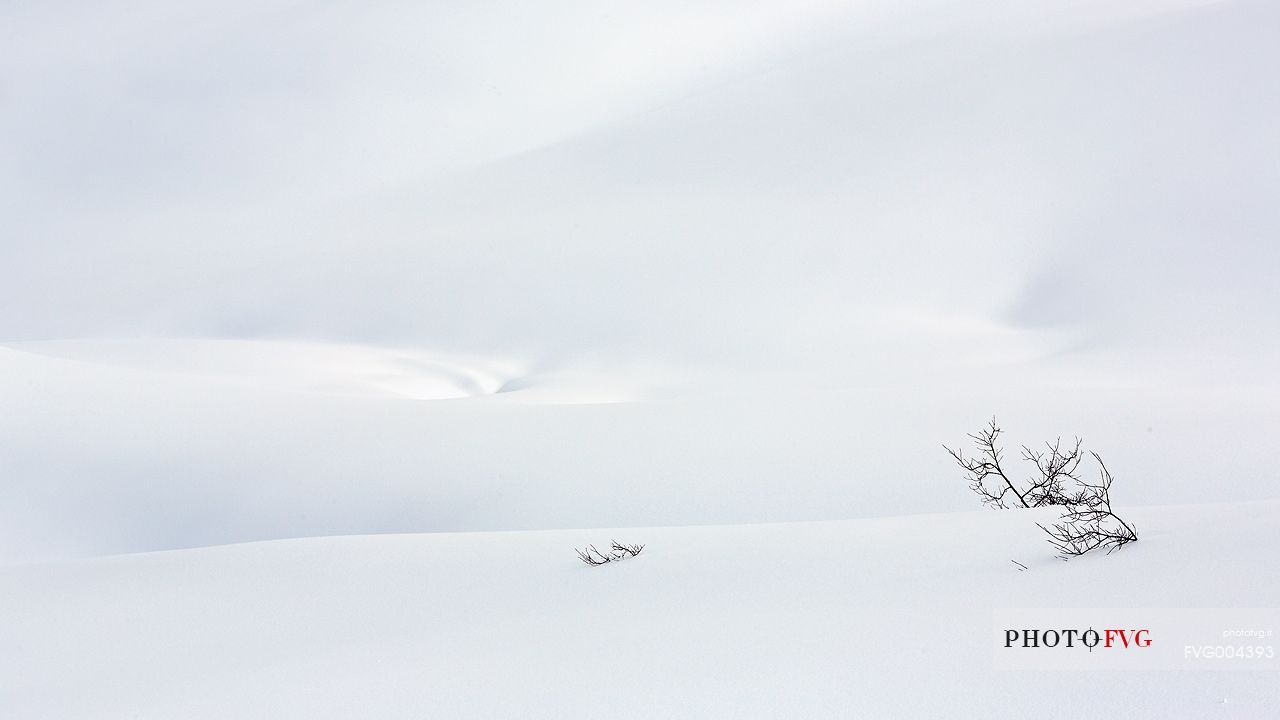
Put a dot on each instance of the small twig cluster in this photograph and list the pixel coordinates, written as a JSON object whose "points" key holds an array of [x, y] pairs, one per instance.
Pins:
{"points": [[592, 556], [1087, 523]]}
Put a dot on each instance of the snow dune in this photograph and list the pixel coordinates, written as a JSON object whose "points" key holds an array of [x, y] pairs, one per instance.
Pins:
{"points": [[888, 617], [130, 446], [682, 182]]}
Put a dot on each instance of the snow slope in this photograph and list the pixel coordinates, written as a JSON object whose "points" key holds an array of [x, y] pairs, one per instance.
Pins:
{"points": [[885, 618], [744, 183], [274, 269], [128, 446]]}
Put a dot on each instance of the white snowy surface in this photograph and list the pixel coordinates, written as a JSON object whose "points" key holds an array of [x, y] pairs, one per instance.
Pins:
{"points": [[484, 273], [886, 618], [748, 183], [115, 447]]}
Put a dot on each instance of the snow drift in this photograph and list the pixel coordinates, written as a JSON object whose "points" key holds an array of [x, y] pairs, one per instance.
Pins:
{"points": [[886, 618]]}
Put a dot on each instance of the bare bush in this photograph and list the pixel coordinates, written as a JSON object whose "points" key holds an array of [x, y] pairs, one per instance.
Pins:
{"points": [[592, 556], [1088, 522]]}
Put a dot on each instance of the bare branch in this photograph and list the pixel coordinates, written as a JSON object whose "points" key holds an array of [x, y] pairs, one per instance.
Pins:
{"points": [[632, 550], [592, 556], [987, 465], [1087, 522]]}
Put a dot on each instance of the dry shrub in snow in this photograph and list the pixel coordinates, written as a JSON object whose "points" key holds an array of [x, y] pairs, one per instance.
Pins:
{"points": [[1088, 522], [592, 556]]}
